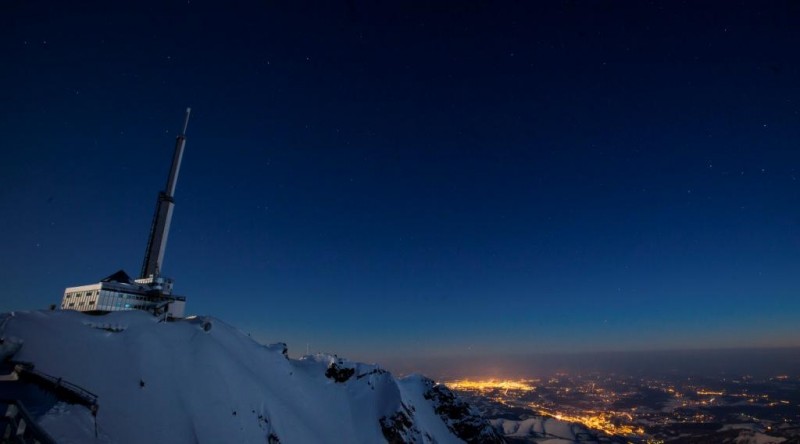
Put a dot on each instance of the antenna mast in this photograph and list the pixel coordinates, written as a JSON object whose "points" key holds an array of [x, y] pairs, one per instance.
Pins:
{"points": [[159, 229]]}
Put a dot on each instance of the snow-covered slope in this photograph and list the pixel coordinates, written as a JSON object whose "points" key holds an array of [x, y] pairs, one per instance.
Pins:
{"points": [[201, 380], [545, 430]]}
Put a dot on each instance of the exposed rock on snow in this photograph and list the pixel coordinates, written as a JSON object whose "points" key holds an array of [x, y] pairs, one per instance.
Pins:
{"points": [[204, 384], [339, 374], [280, 347], [399, 428], [461, 418]]}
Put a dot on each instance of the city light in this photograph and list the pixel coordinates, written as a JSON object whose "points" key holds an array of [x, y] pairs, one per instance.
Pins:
{"points": [[491, 384], [643, 409]]}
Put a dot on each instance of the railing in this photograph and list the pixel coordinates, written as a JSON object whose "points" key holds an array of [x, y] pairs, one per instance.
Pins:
{"points": [[64, 389], [18, 427]]}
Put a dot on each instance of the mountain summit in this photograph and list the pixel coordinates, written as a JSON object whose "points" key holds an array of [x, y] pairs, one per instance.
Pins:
{"points": [[202, 380]]}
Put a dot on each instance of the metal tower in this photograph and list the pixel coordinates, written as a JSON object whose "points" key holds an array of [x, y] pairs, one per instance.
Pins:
{"points": [[159, 230]]}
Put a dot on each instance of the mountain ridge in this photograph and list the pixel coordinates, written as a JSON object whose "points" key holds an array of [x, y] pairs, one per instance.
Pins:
{"points": [[202, 380]]}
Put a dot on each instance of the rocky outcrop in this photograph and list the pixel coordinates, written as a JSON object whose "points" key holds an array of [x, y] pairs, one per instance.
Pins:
{"points": [[399, 428], [462, 419], [339, 373]]}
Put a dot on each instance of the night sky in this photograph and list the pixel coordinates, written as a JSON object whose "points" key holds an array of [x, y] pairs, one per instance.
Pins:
{"points": [[393, 181]]}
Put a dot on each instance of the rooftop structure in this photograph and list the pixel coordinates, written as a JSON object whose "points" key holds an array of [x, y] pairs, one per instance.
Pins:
{"points": [[151, 291]]}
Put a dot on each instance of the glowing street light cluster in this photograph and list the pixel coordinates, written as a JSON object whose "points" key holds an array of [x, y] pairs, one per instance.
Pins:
{"points": [[486, 385]]}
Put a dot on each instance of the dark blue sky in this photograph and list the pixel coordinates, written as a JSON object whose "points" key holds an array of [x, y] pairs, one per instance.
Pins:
{"points": [[396, 181]]}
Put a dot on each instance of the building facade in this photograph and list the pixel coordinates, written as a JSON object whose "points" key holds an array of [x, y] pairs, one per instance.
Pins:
{"points": [[119, 292]]}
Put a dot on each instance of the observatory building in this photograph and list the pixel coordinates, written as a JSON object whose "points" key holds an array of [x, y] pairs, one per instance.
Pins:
{"points": [[151, 291]]}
